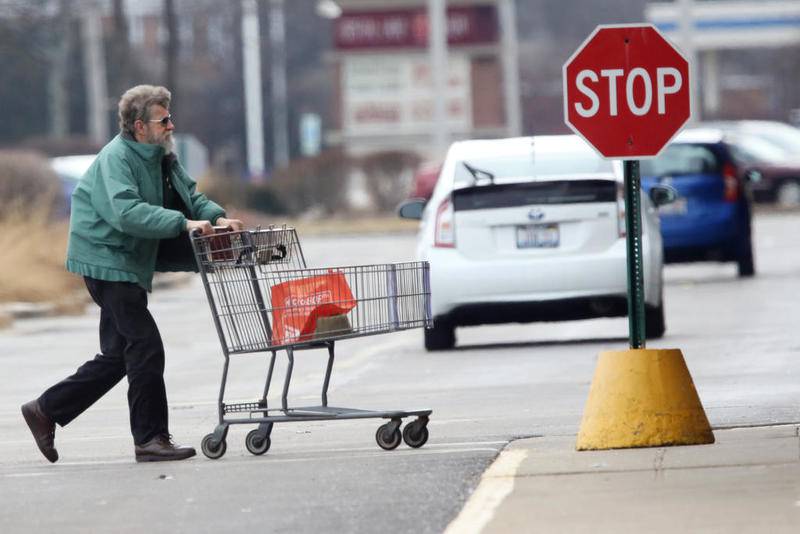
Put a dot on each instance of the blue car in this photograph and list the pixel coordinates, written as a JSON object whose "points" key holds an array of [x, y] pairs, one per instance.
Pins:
{"points": [[711, 218]]}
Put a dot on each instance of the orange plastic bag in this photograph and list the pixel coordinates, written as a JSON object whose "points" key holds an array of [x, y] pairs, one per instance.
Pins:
{"points": [[297, 304]]}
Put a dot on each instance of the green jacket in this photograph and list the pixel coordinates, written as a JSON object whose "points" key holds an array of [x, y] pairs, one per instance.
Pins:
{"points": [[117, 215]]}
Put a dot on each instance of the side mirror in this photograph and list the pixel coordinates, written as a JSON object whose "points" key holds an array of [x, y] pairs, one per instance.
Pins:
{"points": [[753, 176], [662, 194], [411, 209]]}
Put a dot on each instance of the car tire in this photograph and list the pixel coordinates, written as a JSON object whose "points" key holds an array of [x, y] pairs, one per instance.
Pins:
{"points": [[654, 323], [745, 262], [441, 337], [788, 194]]}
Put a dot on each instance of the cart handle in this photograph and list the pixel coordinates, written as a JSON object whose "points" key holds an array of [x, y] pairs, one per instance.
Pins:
{"points": [[217, 229]]}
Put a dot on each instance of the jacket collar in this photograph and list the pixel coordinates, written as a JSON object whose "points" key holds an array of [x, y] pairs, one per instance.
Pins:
{"points": [[148, 152]]}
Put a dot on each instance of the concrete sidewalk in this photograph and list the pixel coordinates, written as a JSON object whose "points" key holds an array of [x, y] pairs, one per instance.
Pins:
{"points": [[748, 481]]}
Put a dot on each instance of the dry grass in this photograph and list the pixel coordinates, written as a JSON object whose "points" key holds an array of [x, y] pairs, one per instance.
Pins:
{"points": [[33, 250]]}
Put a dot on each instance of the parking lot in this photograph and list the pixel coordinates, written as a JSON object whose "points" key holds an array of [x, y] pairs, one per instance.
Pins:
{"points": [[502, 383]]}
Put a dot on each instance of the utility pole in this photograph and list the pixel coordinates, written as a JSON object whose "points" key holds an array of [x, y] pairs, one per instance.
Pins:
{"points": [[94, 63], [120, 76], [686, 24], [437, 50], [280, 116], [253, 111], [510, 62], [172, 48], [57, 81]]}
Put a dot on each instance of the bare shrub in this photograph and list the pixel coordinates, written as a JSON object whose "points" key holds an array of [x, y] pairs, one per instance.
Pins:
{"points": [[223, 189], [27, 181], [232, 192], [388, 176], [313, 183], [64, 146]]}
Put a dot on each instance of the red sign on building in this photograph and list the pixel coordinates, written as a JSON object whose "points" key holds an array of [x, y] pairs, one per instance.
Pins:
{"points": [[408, 28], [626, 91]]}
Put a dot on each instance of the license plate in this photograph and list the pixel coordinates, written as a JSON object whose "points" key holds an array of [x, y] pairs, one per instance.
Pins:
{"points": [[678, 207], [537, 236]]}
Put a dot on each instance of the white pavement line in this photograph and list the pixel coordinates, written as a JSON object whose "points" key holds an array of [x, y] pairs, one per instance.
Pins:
{"points": [[495, 485], [365, 353], [342, 363]]}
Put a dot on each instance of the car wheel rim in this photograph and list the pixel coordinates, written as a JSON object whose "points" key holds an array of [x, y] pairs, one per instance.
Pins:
{"points": [[789, 195]]}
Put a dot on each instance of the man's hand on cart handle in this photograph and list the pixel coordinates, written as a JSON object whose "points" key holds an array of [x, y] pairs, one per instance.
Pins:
{"points": [[199, 227], [233, 224]]}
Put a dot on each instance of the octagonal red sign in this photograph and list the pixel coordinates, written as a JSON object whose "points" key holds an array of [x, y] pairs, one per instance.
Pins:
{"points": [[626, 91]]}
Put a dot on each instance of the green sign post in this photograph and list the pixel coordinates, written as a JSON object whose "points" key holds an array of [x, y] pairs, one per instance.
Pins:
{"points": [[635, 263]]}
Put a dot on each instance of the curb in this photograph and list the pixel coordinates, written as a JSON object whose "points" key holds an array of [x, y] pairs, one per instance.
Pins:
{"points": [[74, 304], [533, 486]]}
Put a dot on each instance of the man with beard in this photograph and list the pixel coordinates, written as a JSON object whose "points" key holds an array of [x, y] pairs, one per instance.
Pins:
{"points": [[131, 214]]}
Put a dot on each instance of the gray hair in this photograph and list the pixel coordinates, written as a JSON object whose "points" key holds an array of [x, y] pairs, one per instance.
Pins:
{"points": [[135, 105]]}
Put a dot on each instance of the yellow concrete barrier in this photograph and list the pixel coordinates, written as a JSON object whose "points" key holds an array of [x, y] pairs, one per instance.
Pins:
{"points": [[642, 398]]}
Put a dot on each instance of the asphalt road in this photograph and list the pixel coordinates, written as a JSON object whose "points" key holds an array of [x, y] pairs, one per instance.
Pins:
{"points": [[739, 337]]}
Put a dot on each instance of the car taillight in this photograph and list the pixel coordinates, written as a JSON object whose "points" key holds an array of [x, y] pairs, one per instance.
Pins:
{"points": [[621, 226], [445, 231], [731, 182]]}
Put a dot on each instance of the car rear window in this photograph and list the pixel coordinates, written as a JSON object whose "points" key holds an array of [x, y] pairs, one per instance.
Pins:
{"points": [[538, 163], [527, 193], [680, 159]]}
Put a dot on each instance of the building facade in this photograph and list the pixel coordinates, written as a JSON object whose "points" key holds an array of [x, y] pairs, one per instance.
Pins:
{"points": [[383, 89]]}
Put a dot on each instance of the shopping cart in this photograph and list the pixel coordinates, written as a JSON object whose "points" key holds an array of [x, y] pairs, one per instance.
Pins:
{"points": [[263, 298]]}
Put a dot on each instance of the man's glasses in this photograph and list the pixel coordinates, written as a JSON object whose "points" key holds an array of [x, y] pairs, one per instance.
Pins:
{"points": [[164, 121]]}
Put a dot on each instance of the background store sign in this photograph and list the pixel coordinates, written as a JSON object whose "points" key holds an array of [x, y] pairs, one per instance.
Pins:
{"points": [[397, 97], [409, 28]]}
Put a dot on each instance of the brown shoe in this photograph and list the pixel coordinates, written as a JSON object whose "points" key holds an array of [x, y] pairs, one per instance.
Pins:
{"points": [[42, 428], [162, 449]]}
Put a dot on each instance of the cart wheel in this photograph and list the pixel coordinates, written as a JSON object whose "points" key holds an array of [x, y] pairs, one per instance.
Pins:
{"points": [[387, 442], [415, 434], [257, 443], [212, 450]]}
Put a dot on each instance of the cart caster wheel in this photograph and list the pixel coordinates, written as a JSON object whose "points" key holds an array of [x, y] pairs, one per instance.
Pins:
{"points": [[213, 450], [257, 443], [415, 434], [388, 442]]}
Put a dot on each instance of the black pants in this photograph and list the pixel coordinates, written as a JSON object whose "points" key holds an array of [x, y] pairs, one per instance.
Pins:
{"points": [[130, 344]]}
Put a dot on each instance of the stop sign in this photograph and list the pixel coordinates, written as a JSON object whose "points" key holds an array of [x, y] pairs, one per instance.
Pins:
{"points": [[626, 91]]}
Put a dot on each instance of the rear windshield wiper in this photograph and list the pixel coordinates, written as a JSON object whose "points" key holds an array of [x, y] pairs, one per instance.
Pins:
{"points": [[477, 173]]}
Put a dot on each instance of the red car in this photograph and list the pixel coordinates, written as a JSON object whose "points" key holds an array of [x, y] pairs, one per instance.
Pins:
{"points": [[425, 180]]}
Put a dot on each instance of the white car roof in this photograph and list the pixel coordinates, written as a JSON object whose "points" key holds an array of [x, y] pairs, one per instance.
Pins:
{"points": [[72, 166], [699, 135], [513, 146]]}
